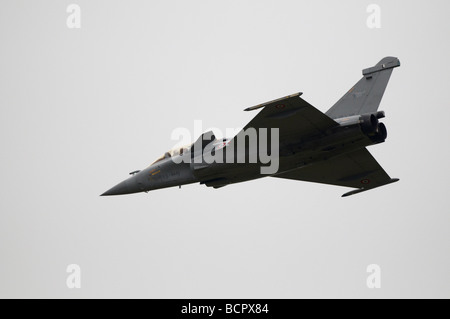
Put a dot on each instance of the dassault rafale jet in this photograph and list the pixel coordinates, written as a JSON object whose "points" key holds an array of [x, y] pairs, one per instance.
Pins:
{"points": [[310, 146]]}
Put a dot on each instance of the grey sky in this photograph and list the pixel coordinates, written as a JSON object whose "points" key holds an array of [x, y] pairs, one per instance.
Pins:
{"points": [[80, 108]]}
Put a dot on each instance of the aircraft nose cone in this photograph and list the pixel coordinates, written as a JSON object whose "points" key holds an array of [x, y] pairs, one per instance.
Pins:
{"points": [[119, 189], [128, 186]]}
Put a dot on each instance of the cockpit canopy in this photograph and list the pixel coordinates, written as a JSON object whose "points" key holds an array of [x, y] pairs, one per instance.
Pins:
{"points": [[218, 143], [173, 152]]}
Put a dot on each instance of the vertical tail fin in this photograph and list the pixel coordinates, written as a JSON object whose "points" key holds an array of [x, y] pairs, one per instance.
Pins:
{"points": [[366, 95]]}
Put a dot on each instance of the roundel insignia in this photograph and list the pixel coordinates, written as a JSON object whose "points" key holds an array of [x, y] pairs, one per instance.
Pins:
{"points": [[280, 106], [365, 181], [221, 146]]}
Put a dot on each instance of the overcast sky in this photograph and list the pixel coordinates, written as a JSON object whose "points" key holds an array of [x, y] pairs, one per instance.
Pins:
{"points": [[81, 108]]}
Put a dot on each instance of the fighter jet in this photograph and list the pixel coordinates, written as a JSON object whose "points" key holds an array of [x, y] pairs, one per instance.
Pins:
{"points": [[328, 148]]}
